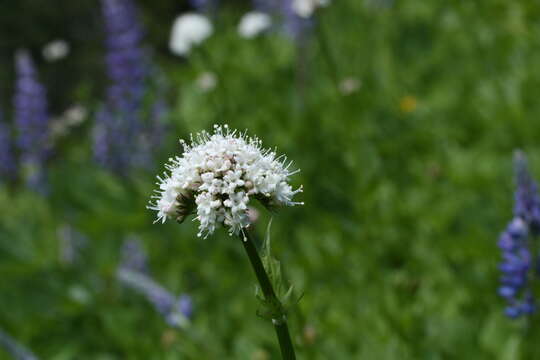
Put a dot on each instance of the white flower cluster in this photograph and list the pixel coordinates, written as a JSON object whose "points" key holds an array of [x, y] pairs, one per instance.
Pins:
{"points": [[217, 176], [306, 8], [253, 23], [55, 50], [189, 30]]}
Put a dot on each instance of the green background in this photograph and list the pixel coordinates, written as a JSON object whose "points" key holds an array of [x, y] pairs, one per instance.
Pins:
{"points": [[407, 184]]}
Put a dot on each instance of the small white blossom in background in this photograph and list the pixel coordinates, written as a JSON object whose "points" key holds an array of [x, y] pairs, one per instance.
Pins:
{"points": [[71, 243], [306, 8], [349, 85], [253, 23], [55, 50], [217, 176], [189, 30], [207, 81], [72, 117], [75, 115]]}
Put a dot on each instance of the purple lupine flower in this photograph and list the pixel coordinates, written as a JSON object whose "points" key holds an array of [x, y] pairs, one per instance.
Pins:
{"points": [[133, 272], [32, 121], [527, 200], [204, 5], [181, 310], [119, 134], [155, 129], [176, 310], [8, 165], [267, 6], [133, 256], [159, 111], [519, 263], [515, 268], [118, 123], [16, 350], [294, 25], [185, 305]]}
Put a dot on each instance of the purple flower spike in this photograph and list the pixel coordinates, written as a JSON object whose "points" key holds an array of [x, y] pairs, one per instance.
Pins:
{"points": [[133, 273], [16, 350], [295, 25], [8, 166], [527, 200], [180, 312], [266, 6], [32, 121], [176, 311], [519, 264], [204, 5], [122, 139], [133, 256], [185, 305]]}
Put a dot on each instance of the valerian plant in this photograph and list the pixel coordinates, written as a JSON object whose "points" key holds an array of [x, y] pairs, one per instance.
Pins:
{"points": [[216, 178]]}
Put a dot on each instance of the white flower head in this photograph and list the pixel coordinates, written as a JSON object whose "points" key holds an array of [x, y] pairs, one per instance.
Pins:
{"points": [[306, 8], [189, 30], [217, 176], [253, 23], [349, 85], [55, 50], [207, 81], [75, 115]]}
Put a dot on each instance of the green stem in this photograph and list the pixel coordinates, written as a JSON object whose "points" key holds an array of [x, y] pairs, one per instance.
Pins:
{"points": [[280, 325]]}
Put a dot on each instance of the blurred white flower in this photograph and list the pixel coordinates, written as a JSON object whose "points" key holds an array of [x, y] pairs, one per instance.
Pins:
{"points": [[189, 30], [207, 81], [72, 117], [253, 23], [75, 115], [217, 176], [55, 50], [306, 8], [71, 242], [80, 294], [349, 85]]}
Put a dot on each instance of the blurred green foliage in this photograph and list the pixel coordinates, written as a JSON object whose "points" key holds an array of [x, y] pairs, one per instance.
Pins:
{"points": [[408, 182]]}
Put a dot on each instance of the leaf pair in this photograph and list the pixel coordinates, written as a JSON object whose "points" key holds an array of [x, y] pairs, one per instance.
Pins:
{"points": [[285, 298]]}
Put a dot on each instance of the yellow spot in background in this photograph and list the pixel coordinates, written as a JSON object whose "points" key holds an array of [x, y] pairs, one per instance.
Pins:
{"points": [[408, 104], [168, 338], [310, 335], [260, 354]]}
